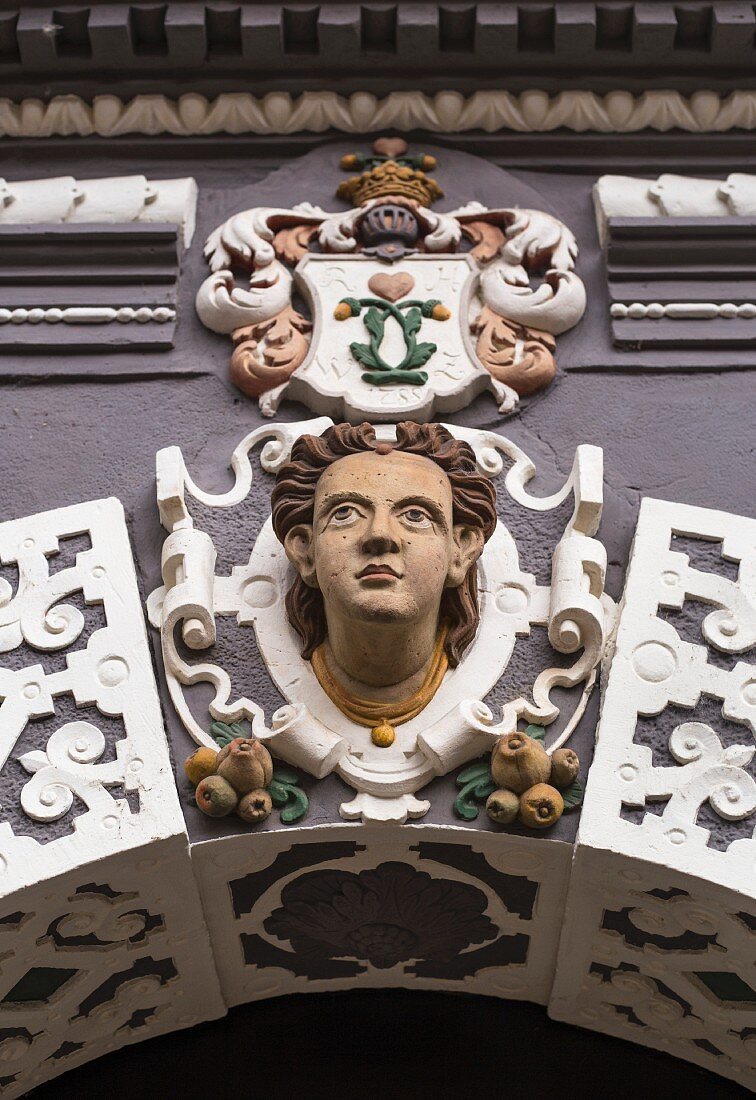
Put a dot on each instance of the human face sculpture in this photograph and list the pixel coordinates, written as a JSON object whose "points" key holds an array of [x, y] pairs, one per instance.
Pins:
{"points": [[383, 545]]}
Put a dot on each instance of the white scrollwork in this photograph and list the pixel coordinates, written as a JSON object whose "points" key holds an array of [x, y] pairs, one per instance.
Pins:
{"points": [[245, 241], [110, 920], [584, 484], [645, 949], [223, 307], [533, 240], [63, 770], [456, 726], [655, 667], [707, 771], [107, 674]]}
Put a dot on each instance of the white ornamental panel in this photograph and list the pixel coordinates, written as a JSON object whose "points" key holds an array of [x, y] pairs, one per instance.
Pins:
{"points": [[659, 944], [102, 937], [80, 712]]}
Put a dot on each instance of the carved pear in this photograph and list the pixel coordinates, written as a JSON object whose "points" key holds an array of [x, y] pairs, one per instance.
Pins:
{"points": [[215, 796], [564, 767], [200, 764], [503, 807], [255, 806], [519, 762], [246, 764], [541, 806]]}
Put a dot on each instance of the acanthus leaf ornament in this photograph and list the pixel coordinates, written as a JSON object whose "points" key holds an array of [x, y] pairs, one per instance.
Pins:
{"points": [[492, 289]]}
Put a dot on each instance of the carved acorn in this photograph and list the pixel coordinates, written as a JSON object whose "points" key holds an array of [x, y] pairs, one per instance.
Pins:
{"points": [[200, 764], [502, 807], [564, 767], [540, 806], [215, 796], [255, 806], [519, 762], [246, 764]]}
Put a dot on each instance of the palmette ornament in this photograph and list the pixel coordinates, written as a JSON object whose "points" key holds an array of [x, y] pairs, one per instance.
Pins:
{"points": [[408, 312]]}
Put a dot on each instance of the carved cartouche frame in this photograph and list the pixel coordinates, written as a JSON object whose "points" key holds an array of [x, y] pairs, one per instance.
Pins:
{"points": [[310, 732]]}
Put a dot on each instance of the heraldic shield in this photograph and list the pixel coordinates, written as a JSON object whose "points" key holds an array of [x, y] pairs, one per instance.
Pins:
{"points": [[403, 347], [391, 309]]}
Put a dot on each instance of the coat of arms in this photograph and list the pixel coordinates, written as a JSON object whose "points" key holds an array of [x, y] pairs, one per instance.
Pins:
{"points": [[391, 310]]}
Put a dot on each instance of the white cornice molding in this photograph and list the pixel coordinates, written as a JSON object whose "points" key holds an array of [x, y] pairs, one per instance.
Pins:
{"points": [[63, 199], [671, 196], [361, 112]]}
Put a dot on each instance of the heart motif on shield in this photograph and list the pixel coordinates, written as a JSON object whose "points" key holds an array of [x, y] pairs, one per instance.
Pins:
{"points": [[391, 287]]}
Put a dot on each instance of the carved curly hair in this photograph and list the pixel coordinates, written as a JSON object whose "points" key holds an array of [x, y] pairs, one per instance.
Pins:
{"points": [[473, 503]]}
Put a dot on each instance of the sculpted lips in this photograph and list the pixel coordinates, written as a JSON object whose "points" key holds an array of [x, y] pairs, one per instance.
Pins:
{"points": [[378, 573]]}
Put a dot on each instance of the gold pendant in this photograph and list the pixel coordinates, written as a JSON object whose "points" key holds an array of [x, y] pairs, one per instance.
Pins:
{"points": [[383, 735]]}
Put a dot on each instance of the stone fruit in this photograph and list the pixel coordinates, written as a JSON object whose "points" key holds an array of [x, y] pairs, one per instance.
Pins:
{"points": [[246, 764], [519, 762], [564, 767], [215, 796], [200, 764], [541, 806], [255, 806], [502, 807]]}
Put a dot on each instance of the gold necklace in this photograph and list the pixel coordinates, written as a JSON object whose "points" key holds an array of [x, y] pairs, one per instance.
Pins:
{"points": [[382, 718]]}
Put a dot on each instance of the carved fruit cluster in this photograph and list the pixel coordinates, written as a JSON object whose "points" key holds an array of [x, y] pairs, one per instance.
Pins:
{"points": [[529, 781], [235, 778]]}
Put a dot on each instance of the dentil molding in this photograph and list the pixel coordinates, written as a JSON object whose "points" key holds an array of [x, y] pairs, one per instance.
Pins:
{"points": [[532, 111]]}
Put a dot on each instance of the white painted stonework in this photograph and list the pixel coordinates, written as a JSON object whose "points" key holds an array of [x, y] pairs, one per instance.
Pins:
{"points": [[655, 993], [120, 872], [653, 667], [132, 920], [683, 311], [543, 865], [641, 844], [310, 732], [112, 199], [672, 196], [87, 315], [490, 110], [330, 380], [112, 672], [102, 932]]}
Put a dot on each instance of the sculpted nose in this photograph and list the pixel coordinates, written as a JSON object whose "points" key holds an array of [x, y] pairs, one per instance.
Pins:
{"points": [[381, 537]]}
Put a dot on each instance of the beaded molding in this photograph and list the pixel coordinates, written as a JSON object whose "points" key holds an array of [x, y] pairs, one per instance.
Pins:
{"points": [[87, 315], [363, 112], [682, 311]]}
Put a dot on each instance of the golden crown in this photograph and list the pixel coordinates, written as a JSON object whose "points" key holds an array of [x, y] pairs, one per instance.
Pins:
{"points": [[389, 172]]}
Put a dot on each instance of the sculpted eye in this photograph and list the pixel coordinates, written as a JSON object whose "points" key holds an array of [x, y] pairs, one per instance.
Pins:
{"points": [[416, 517], [345, 513]]}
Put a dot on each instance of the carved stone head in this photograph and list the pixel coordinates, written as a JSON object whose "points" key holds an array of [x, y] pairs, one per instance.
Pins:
{"points": [[383, 532]]}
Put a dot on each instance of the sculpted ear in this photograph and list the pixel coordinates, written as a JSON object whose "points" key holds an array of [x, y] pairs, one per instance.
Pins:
{"points": [[298, 547], [468, 546]]}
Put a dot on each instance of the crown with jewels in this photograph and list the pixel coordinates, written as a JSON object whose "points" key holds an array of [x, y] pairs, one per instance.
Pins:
{"points": [[389, 171]]}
